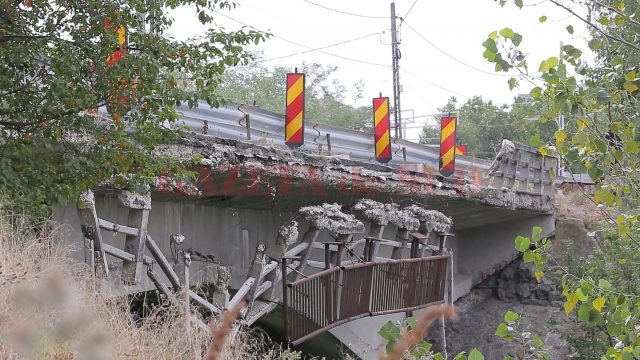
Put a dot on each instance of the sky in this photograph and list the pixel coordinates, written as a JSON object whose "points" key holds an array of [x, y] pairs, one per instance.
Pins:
{"points": [[440, 43]]}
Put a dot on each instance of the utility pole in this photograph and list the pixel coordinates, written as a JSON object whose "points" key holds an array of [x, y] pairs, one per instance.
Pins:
{"points": [[395, 57]]}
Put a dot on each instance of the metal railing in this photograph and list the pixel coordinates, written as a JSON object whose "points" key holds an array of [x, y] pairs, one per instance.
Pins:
{"points": [[230, 121], [341, 294]]}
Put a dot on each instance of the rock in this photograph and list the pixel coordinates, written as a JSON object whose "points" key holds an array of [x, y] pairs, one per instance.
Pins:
{"points": [[539, 302], [500, 293], [526, 272], [572, 239], [508, 273], [523, 290]]}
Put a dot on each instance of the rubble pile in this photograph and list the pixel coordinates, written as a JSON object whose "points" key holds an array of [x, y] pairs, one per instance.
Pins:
{"points": [[289, 233], [432, 220], [331, 218]]}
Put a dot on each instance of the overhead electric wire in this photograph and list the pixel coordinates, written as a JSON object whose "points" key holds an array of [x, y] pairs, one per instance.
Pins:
{"points": [[451, 56], [434, 84], [311, 49], [320, 48], [302, 45], [345, 12], [535, 4], [408, 12]]}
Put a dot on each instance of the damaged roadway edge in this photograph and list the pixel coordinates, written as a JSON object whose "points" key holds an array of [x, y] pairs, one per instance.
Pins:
{"points": [[383, 214], [331, 218], [432, 220], [271, 163]]}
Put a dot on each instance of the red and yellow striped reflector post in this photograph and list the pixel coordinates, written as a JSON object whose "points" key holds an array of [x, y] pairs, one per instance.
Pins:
{"points": [[294, 118], [382, 135], [447, 145], [461, 149]]}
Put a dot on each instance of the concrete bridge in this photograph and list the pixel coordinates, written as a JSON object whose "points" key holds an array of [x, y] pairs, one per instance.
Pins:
{"points": [[247, 210]]}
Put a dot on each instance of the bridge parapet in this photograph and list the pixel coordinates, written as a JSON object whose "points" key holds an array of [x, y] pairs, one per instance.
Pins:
{"points": [[522, 168]]}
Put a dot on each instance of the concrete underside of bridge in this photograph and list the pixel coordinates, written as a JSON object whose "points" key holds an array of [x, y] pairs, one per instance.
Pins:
{"points": [[266, 186]]}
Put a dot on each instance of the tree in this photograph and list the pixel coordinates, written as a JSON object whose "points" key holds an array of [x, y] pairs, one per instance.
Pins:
{"points": [[62, 60], [601, 99], [326, 97], [482, 125]]}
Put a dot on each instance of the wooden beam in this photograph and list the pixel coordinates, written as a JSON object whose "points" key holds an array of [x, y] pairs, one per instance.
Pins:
{"points": [[203, 302], [255, 272], [109, 226], [310, 238], [162, 261], [241, 293], [134, 244], [123, 255], [91, 232]]}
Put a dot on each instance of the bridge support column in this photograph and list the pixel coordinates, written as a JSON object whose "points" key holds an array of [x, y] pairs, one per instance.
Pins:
{"points": [[139, 206]]}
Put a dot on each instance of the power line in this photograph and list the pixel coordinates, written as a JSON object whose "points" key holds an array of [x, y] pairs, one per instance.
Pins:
{"points": [[344, 57], [419, 93], [320, 48], [302, 45], [345, 12], [408, 12], [434, 84], [535, 4], [451, 56]]}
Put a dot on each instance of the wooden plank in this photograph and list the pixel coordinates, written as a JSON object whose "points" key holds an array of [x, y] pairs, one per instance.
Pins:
{"points": [[123, 255], [262, 288], [269, 268], [91, 232], [162, 261], [376, 231], [134, 244], [310, 238], [203, 302], [400, 252], [296, 249], [255, 272], [109, 226], [260, 309], [352, 245], [419, 236], [241, 293], [162, 287]]}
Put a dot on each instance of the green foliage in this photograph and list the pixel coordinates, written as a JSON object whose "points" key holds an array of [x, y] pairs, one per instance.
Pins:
{"points": [[325, 96], [512, 330], [54, 74], [600, 102]]}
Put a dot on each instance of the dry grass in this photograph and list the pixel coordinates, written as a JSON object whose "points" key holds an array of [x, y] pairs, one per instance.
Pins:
{"points": [[50, 309], [573, 203], [222, 331]]}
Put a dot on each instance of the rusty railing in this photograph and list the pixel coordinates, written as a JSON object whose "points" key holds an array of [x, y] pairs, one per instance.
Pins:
{"points": [[341, 294]]}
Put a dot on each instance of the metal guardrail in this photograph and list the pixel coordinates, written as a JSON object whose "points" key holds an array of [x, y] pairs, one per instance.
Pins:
{"points": [[230, 121], [345, 293]]}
